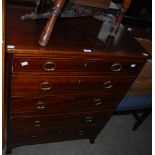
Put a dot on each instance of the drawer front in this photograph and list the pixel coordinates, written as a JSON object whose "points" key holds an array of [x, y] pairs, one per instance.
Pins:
{"points": [[48, 85], [88, 119], [36, 122], [56, 122], [18, 138], [68, 65], [62, 104], [95, 103], [49, 135], [39, 105]]}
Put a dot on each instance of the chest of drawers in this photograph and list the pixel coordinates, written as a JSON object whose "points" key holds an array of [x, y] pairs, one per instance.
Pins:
{"points": [[69, 89]]}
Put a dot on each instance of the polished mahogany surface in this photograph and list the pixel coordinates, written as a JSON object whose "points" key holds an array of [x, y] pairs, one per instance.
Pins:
{"points": [[70, 36], [68, 89]]}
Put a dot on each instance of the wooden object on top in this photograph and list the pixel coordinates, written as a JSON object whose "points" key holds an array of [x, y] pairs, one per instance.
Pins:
{"points": [[46, 33], [58, 5], [126, 3], [71, 35], [124, 6]]}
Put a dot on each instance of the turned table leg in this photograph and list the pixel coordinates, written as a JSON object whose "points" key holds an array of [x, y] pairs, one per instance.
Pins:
{"points": [[92, 140], [46, 33], [8, 150], [124, 7], [140, 119]]}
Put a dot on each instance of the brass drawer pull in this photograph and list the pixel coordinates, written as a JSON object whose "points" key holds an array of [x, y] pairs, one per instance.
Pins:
{"points": [[59, 132], [97, 102], [89, 119], [81, 133], [79, 81], [40, 105], [37, 123], [107, 85], [116, 67], [72, 99], [45, 86], [34, 136], [49, 66]]}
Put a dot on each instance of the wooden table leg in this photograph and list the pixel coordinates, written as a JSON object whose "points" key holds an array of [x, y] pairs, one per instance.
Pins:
{"points": [[124, 7], [141, 119], [45, 36]]}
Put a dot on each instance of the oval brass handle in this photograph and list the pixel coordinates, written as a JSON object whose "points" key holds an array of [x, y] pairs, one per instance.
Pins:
{"points": [[116, 67], [89, 119], [40, 105], [34, 136], [37, 123], [97, 102], [71, 99], [107, 85], [45, 86], [49, 66], [59, 132], [81, 133]]}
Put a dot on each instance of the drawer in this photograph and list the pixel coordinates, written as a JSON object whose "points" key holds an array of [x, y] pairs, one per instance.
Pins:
{"points": [[49, 135], [88, 119], [62, 104], [25, 85], [55, 122], [48, 65], [36, 122], [39, 105], [81, 132], [18, 138], [95, 103]]}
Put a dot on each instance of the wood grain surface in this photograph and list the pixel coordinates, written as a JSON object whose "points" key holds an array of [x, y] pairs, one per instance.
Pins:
{"points": [[68, 89]]}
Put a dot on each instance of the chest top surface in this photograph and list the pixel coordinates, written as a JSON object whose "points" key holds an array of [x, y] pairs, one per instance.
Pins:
{"points": [[71, 36]]}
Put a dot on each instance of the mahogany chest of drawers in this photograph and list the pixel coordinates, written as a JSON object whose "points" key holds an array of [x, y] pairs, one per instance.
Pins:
{"points": [[69, 89]]}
